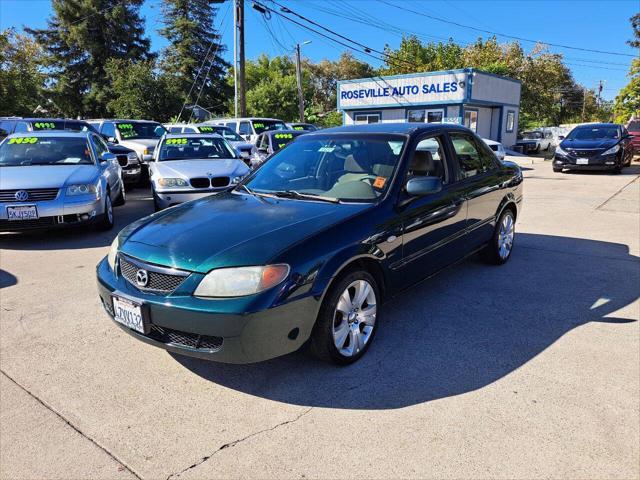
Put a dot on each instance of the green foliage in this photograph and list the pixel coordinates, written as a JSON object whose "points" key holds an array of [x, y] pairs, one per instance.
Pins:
{"points": [[21, 74], [414, 56], [81, 37], [140, 91], [627, 103], [194, 47], [635, 25]]}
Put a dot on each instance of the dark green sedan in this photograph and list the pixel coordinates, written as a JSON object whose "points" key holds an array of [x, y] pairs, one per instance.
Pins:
{"points": [[308, 246]]}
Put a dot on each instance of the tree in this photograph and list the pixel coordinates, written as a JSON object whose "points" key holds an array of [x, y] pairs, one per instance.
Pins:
{"points": [[81, 37], [414, 56], [635, 25], [627, 102], [140, 91], [194, 55], [21, 75]]}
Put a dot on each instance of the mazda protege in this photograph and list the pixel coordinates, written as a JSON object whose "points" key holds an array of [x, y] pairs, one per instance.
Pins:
{"points": [[308, 246]]}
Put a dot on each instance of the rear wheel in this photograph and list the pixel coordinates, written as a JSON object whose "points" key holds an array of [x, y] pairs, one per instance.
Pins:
{"points": [[347, 321], [499, 248]]}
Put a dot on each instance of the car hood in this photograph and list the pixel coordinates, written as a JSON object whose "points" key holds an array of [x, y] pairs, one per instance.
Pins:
{"points": [[229, 229], [46, 176], [139, 144], [201, 168], [566, 143], [242, 145], [118, 149]]}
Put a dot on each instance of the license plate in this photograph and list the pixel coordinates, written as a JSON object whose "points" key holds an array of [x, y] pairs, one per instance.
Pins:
{"points": [[582, 161], [129, 314], [22, 212]]}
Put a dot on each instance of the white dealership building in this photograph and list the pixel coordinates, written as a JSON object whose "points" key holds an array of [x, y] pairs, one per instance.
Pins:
{"points": [[486, 103]]}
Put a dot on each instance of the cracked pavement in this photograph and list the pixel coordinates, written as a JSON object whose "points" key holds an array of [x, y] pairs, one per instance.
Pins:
{"points": [[530, 370]]}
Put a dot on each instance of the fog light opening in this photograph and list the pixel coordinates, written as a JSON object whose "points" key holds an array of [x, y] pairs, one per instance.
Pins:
{"points": [[84, 216], [293, 334]]}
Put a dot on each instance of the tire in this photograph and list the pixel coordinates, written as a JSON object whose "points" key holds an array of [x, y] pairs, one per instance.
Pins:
{"points": [[499, 249], [122, 198], [352, 329], [537, 149], [105, 222]]}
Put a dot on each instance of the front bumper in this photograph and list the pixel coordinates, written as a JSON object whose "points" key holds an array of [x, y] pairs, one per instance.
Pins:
{"points": [[168, 198], [131, 174], [609, 162], [527, 147], [241, 330], [54, 213]]}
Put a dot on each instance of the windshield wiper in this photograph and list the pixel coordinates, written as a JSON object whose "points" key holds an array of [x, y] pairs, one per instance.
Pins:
{"points": [[309, 196]]}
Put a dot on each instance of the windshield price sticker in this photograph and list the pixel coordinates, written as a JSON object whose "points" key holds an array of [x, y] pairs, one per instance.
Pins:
{"points": [[44, 125], [175, 141], [326, 149], [280, 145], [23, 140], [379, 182], [298, 128], [125, 126], [206, 129], [258, 125], [284, 135]]}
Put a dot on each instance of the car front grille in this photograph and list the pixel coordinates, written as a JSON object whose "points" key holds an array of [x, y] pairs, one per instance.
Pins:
{"points": [[215, 182], [161, 280], [586, 153], [35, 194], [123, 160], [16, 225], [184, 339]]}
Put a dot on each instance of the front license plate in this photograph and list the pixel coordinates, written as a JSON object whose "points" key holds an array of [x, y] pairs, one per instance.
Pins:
{"points": [[582, 161], [129, 314], [22, 212]]}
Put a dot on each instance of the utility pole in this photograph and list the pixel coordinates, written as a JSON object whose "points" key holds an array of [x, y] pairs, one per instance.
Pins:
{"points": [[600, 87], [584, 101], [235, 58], [299, 81], [239, 82]]}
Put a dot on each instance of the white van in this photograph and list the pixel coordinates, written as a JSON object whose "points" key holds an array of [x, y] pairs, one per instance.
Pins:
{"points": [[250, 127]]}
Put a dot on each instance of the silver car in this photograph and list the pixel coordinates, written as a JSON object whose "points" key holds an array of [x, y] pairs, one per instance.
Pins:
{"points": [[142, 136], [189, 166], [245, 149], [56, 179]]}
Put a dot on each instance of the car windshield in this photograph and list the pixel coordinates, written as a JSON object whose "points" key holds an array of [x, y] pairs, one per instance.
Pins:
{"points": [[280, 140], [192, 148], [355, 168], [263, 125], [634, 126], [594, 133], [531, 135], [146, 130], [225, 132], [26, 151], [68, 125]]}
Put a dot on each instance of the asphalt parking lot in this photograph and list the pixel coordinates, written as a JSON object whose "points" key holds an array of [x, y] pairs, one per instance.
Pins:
{"points": [[530, 370]]}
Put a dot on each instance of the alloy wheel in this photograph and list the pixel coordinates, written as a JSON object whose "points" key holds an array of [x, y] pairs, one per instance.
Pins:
{"points": [[505, 235], [354, 318]]}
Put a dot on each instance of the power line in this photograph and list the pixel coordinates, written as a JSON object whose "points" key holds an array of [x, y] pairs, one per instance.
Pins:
{"points": [[523, 39]]}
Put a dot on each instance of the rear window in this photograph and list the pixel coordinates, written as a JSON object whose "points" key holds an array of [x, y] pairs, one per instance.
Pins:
{"points": [[280, 140], [68, 125], [264, 125]]}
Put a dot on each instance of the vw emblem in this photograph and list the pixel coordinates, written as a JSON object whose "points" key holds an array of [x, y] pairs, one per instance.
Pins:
{"points": [[22, 195], [142, 278]]}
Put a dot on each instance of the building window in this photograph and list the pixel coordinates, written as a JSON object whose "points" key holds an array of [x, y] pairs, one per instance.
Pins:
{"points": [[421, 115], [471, 119], [364, 118], [511, 120]]}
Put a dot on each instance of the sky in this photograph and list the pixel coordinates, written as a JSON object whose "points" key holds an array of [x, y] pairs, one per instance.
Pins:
{"points": [[588, 24]]}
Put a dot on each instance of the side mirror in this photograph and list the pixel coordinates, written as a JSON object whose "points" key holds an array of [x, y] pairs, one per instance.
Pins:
{"points": [[107, 157], [112, 139], [422, 186], [560, 137]]}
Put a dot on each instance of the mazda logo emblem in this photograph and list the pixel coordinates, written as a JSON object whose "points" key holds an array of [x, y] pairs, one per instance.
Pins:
{"points": [[142, 278], [22, 195]]}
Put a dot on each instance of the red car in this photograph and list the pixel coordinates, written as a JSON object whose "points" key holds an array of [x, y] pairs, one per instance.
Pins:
{"points": [[634, 130]]}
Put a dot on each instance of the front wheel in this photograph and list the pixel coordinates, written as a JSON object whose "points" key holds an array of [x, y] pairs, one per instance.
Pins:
{"points": [[347, 321], [499, 248], [106, 220], [557, 169], [122, 198]]}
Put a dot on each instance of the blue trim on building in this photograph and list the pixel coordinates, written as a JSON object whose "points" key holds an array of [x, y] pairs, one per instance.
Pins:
{"points": [[428, 74], [405, 105], [500, 124]]}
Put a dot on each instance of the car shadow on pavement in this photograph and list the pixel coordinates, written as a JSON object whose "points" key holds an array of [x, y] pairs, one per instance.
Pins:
{"points": [[7, 279], [139, 204], [457, 332]]}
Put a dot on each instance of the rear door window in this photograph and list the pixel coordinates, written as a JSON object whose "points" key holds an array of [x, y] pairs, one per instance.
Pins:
{"points": [[245, 128], [109, 130]]}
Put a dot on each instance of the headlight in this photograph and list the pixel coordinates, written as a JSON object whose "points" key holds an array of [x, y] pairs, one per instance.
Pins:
{"points": [[560, 151], [172, 182], [241, 281], [131, 156], [84, 189], [235, 180], [612, 150], [113, 251]]}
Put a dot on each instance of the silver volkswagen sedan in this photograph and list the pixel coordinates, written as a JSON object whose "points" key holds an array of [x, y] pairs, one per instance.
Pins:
{"points": [[52, 179]]}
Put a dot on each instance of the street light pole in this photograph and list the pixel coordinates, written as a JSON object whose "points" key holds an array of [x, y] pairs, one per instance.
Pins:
{"points": [[299, 81]]}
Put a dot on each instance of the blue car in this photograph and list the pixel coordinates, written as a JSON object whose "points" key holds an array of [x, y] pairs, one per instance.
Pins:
{"points": [[309, 245], [55, 179]]}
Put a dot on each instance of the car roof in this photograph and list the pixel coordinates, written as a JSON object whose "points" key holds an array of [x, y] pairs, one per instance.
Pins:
{"points": [[130, 120], [275, 132], [53, 133], [598, 125], [44, 119], [227, 119], [404, 128], [191, 134]]}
